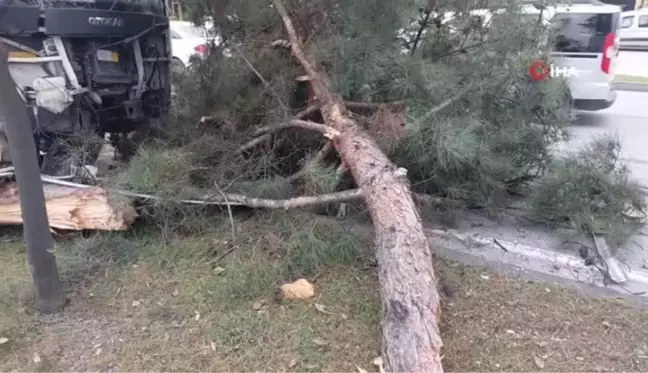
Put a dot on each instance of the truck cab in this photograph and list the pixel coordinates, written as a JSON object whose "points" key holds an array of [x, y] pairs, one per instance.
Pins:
{"points": [[98, 66]]}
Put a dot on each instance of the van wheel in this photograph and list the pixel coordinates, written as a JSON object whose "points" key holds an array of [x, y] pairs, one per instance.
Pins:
{"points": [[177, 66]]}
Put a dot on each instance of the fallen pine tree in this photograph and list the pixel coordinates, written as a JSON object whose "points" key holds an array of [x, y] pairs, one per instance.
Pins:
{"points": [[362, 127], [458, 126], [410, 302]]}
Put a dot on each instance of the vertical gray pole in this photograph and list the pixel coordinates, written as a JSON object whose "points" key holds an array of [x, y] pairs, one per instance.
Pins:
{"points": [[22, 148]]}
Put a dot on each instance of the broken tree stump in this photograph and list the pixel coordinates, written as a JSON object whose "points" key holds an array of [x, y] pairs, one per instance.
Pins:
{"points": [[72, 208]]}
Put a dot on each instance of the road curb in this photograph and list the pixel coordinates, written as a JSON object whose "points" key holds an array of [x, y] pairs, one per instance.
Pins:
{"points": [[630, 86], [630, 78], [561, 267]]}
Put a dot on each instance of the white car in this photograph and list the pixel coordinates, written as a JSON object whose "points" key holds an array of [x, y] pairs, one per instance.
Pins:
{"points": [[634, 30], [187, 41]]}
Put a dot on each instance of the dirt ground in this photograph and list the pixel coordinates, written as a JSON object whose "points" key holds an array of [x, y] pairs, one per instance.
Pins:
{"points": [[142, 301]]}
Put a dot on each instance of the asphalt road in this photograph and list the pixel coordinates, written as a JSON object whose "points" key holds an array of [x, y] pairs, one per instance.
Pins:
{"points": [[627, 119]]}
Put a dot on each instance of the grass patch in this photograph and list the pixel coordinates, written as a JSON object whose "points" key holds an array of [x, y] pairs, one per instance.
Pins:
{"points": [[16, 297], [494, 323], [204, 302]]}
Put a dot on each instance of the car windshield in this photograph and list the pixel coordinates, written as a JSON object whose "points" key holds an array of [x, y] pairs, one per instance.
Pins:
{"points": [[582, 32]]}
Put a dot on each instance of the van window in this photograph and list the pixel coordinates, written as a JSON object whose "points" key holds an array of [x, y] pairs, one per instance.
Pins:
{"points": [[583, 32], [643, 21], [626, 22]]}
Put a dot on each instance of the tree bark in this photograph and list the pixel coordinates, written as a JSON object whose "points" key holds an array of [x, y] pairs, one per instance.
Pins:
{"points": [[410, 301]]}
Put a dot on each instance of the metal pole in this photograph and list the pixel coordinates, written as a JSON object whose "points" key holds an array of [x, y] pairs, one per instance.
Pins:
{"points": [[22, 148]]}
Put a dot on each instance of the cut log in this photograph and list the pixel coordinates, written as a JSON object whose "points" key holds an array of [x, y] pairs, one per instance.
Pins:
{"points": [[408, 289], [72, 208]]}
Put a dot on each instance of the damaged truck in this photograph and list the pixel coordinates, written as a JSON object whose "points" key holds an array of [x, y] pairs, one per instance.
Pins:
{"points": [[98, 67]]}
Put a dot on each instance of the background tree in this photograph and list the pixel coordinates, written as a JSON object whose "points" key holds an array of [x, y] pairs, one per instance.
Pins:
{"points": [[473, 126]]}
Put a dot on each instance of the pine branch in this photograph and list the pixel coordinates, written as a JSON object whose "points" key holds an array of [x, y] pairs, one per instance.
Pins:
{"points": [[373, 105], [327, 131], [423, 24], [340, 171], [254, 142], [308, 111], [256, 72], [234, 199], [313, 162], [464, 91], [263, 134], [292, 36]]}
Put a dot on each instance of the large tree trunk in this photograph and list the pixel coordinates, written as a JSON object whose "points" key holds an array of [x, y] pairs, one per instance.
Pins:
{"points": [[410, 301]]}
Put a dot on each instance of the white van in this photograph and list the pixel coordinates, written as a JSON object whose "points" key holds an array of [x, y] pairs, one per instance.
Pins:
{"points": [[586, 40], [586, 45], [634, 30]]}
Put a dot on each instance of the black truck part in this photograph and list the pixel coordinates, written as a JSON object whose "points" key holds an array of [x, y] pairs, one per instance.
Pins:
{"points": [[88, 65]]}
